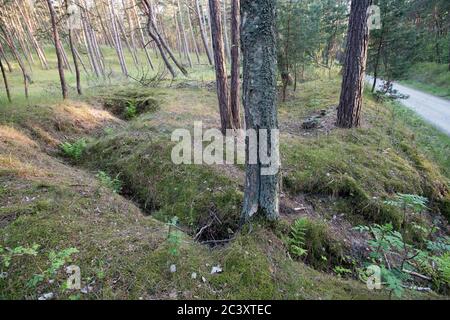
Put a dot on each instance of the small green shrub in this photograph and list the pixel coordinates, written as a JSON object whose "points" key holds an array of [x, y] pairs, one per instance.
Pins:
{"points": [[396, 272], [57, 259], [409, 201], [130, 111], [174, 237], [111, 183], [443, 265], [311, 241], [6, 254], [74, 150]]}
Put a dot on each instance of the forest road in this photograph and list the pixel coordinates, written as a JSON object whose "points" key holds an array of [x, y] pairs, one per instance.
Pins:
{"points": [[434, 110]]}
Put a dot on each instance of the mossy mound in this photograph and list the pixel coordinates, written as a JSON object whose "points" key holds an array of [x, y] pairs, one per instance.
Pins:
{"points": [[197, 194], [130, 102]]}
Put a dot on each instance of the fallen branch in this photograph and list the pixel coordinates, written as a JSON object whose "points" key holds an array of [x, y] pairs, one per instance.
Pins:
{"points": [[420, 289], [418, 275]]}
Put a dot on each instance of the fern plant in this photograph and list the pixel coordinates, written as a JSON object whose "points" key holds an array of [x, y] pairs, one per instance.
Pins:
{"points": [[443, 264], [297, 238], [74, 150], [130, 110], [111, 183], [405, 202]]}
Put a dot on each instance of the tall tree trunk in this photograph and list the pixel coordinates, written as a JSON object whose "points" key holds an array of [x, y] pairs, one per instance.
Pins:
{"points": [[130, 47], [141, 35], [58, 49], [377, 64], [194, 41], [179, 46], [117, 40], [5, 80], [285, 73], [153, 33], [29, 29], [235, 63], [225, 31], [258, 33], [351, 101], [183, 34], [203, 31], [221, 71], [74, 54]]}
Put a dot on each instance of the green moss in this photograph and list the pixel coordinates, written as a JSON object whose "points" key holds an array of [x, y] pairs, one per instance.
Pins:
{"points": [[197, 195], [444, 206], [130, 102]]}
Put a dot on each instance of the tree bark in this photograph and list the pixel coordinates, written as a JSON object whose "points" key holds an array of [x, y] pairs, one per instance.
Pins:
{"points": [[5, 80], [285, 74], [151, 28], [58, 49], [74, 54], [203, 32], [258, 32], [117, 40], [225, 31], [183, 34], [141, 35], [194, 41], [377, 64], [235, 63], [219, 61], [351, 101]]}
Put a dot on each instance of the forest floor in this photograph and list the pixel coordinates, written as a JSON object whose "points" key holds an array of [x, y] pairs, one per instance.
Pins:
{"points": [[110, 209]]}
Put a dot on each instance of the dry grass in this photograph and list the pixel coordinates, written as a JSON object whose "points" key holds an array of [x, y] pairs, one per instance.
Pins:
{"points": [[10, 136], [12, 165]]}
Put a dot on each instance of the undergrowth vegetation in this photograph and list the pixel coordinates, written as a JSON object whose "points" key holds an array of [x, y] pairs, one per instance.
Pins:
{"points": [[431, 77], [156, 251]]}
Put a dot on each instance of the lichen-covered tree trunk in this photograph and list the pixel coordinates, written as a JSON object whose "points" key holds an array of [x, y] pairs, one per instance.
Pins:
{"points": [[258, 32], [235, 63], [221, 70], [350, 104]]}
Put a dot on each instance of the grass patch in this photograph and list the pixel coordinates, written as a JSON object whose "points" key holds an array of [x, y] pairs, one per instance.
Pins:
{"points": [[359, 168], [429, 77]]}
